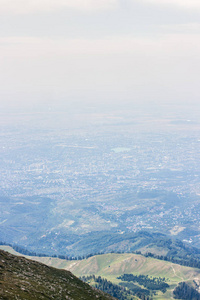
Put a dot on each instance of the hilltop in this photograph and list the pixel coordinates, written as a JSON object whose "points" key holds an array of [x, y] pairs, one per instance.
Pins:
{"points": [[156, 245], [21, 278]]}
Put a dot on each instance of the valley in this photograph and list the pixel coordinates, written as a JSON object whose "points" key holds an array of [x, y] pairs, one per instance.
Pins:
{"points": [[111, 266]]}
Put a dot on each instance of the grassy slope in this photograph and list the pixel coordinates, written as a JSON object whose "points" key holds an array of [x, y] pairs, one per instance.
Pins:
{"points": [[110, 266], [21, 278]]}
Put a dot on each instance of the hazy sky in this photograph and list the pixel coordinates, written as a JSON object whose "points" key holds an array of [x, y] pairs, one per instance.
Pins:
{"points": [[57, 51]]}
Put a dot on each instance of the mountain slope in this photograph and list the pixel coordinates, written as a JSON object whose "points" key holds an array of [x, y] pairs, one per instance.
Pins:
{"points": [[21, 278], [111, 266]]}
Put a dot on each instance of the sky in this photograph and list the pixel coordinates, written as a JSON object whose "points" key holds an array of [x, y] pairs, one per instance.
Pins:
{"points": [[55, 52]]}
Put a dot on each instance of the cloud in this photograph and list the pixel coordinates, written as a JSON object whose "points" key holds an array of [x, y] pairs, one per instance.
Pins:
{"points": [[123, 57], [32, 6], [188, 4], [166, 67], [179, 43], [190, 28]]}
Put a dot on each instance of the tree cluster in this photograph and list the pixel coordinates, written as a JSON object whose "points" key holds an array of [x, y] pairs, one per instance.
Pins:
{"points": [[186, 292], [155, 284], [119, 292]]}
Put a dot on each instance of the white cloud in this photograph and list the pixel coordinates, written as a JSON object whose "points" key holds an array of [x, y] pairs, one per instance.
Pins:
{"points": [[164, 67], [178, 44], [32, 6], [191, 28], [189, 4]]}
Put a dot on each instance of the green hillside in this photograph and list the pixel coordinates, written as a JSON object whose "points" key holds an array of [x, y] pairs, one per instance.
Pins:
{"points": [[21, 278], [111, 266]]}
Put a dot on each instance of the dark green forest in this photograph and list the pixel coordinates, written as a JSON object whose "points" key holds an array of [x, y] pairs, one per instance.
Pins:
{"points": [[112, 289], [186, 292], [155, 284]]}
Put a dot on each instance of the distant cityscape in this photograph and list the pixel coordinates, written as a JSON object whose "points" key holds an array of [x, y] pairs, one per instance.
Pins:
{"points": [[119, 177]]}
